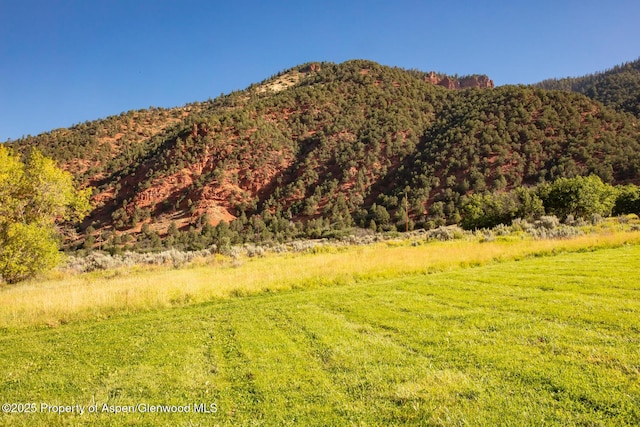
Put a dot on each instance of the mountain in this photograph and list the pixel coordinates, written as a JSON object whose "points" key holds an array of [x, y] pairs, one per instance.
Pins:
{"points": [[324, 146], [618, 88]]}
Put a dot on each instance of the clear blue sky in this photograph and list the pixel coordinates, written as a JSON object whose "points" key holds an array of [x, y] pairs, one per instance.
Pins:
{"points": [[67, 61]]}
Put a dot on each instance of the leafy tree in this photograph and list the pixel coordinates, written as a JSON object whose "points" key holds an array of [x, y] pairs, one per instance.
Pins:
{"points": [[580, 196], [34, 196], [627, 201], [529, 204], [490, 209]]}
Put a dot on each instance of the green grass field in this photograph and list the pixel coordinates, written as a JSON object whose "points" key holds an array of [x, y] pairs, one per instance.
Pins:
{"points": [[67, 298], [540, 340]]}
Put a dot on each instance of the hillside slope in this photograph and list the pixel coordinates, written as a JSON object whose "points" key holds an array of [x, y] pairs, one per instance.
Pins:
{"points": [[323, 146], [618, 87]]}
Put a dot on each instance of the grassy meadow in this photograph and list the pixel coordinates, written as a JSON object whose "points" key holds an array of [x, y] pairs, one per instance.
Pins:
{"points": [[64, 298], [511, 332]]}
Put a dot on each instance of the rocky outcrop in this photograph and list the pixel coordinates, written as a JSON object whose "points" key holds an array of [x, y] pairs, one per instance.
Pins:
{"points": [[432, 78], [475, 81], [314, 67], [478, 81]]}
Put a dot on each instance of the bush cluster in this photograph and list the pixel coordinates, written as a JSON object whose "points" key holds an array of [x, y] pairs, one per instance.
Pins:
{"points": [[105, 261], [545, 227]]}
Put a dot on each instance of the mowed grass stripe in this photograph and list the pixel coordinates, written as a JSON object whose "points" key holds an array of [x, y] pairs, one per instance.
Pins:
{"points": [[274, 372], [538, 336], [548, 340]]}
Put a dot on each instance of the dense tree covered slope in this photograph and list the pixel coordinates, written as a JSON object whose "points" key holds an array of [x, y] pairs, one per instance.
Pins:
{"points": [[618, 87], [325, 146]]}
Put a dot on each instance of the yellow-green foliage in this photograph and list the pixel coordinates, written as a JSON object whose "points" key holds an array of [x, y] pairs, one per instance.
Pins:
{"points": [[33, 196], [26, 248]]}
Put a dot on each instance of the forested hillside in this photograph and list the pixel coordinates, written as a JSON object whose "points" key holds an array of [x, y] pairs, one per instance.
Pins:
{"points": [[323, 147], [618, 88]]}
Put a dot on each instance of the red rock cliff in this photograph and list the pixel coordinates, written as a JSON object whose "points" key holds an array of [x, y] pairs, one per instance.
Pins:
{"points": [[459, 83]]}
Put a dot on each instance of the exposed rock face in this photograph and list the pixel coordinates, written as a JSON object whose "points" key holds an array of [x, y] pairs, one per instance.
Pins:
{"points": [[432, 78], [479, 81], [476, 81], [448, 83], [311, 68]]}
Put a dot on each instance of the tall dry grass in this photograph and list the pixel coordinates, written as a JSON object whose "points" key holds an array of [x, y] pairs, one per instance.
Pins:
{"points": [[97, 295]]}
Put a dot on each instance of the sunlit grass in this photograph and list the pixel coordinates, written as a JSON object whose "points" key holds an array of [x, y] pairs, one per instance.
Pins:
{"points": [[66, 298], [544, 340]]}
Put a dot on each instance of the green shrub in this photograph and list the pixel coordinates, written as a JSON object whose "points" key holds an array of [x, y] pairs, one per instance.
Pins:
{"points": [[580, 196], [627, 201]]}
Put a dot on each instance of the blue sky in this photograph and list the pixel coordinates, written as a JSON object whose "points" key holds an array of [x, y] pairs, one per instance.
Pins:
{"points": [[63, 62]]}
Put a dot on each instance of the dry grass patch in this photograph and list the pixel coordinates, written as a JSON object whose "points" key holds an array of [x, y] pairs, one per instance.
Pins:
{"points": [[103, 294]]}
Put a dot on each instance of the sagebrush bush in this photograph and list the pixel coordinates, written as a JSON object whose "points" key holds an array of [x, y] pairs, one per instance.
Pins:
{"points": [[445, 233], [561, 232], [487, 236], [501, 230], [253, 250], [623, 219], [104, 261], [596, 219], [548, 222], [520, 224]]}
